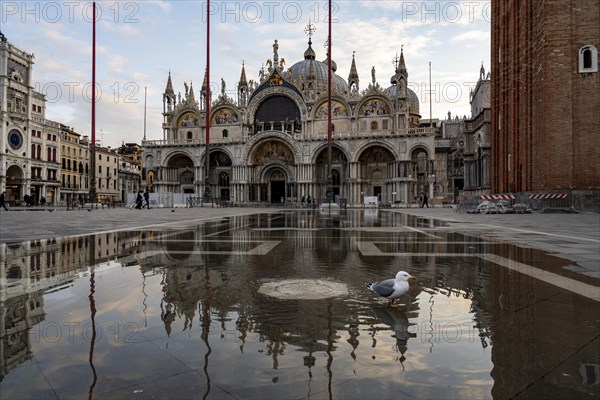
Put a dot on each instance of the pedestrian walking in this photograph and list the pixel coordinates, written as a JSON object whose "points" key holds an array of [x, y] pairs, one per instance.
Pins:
{"points": [[43, 201], [139, 201], [147, 199], [425, 203], [2, 199]]}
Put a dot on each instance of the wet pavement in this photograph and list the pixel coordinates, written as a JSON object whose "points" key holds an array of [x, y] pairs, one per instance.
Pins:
{"points": [[172, 304]]}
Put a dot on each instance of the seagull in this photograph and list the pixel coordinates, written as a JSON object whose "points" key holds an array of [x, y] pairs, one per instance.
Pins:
{"points": [[392, 288]]}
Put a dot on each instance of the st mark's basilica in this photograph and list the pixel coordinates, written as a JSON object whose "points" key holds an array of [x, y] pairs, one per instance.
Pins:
{"points": [[271, 144]]}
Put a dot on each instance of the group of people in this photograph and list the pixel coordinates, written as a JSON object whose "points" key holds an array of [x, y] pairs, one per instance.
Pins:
{"points": [[29, 200], [142, 201], [306, 201]]}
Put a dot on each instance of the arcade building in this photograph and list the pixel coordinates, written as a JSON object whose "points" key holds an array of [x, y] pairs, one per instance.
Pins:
{"points": [[270, 145]]}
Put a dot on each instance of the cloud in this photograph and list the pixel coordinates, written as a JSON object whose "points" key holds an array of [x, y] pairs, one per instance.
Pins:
{"points": [[162, 4], [472, 36], [117, 63]]}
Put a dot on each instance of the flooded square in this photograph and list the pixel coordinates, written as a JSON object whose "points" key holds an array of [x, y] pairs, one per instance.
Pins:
{"points": [[191, 313]]}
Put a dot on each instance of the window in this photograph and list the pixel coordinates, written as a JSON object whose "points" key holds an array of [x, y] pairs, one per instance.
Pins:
{"points": [[225, 133], [588, 59], [224, 179], [189, 135]]}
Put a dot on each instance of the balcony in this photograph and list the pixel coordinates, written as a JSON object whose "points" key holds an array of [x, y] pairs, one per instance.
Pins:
{"points": [[348, 135]]}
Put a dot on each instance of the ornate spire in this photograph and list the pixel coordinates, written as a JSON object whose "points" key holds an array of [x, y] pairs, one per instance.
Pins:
{"points": [[402, 66], [169, 89], [203, 89], [310, 54], [353, 77], [243, 80], [353, 71], [191, 99], [243, 88]]}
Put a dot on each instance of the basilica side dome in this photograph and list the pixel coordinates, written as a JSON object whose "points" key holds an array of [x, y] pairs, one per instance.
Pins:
{"points": [[412, 98]]}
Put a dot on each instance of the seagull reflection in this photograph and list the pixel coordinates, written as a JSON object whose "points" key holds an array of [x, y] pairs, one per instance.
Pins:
{"points": [[396, 319]]}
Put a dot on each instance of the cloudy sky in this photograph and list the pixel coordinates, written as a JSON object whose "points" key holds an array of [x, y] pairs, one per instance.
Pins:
{"points": [[139, 42]]}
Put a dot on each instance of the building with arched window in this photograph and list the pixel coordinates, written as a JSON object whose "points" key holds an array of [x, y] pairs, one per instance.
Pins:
{"points": [[545, 99], [29, 143], [270, 145]]}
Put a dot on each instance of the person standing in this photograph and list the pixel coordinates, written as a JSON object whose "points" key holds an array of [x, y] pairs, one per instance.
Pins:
{"points": [[425, 203], [2, 199]]}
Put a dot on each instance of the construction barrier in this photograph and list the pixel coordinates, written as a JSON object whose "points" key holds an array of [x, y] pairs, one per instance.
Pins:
{"points": [[497, 197], [545, 201]]}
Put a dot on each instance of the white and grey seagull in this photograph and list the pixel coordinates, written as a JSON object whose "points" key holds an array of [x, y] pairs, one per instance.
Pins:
{"points": [[392, 289]]}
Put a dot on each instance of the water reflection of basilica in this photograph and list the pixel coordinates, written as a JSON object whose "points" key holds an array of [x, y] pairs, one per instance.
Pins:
{"points": [[204, 280], [209, 285], [29, 270]]}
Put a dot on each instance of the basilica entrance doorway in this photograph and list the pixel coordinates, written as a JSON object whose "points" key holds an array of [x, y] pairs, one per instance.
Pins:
{"points": [[277, 192]]}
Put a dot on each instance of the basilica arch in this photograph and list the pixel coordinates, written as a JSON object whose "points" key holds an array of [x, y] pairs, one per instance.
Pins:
{"points": [[376, 171], [179, 173], [422, 168], [221, 172], [276, 105], [340, 172], [273, 162]]}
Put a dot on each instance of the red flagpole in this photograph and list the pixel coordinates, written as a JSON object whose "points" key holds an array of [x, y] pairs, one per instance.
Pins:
{"points": [[207, 102], [207, 73], [94, 74], [92, 192], [329, 80]]}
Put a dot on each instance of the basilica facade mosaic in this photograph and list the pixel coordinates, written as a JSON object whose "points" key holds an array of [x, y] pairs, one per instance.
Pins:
{"points": [[271, 143]]}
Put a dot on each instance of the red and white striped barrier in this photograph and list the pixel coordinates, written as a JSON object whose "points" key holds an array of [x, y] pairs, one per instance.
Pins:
{"points": [[548, 196], [497, 197]]}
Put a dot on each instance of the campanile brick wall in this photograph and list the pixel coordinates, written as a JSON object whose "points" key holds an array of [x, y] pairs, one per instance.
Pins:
{"points": [[545, 114]]}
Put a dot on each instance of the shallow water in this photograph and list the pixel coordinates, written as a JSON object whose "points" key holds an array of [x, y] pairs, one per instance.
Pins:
{"points": [[179, 314]]}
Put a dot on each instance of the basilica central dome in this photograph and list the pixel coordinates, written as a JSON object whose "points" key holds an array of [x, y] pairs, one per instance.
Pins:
{"points": [[310, 68]]}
